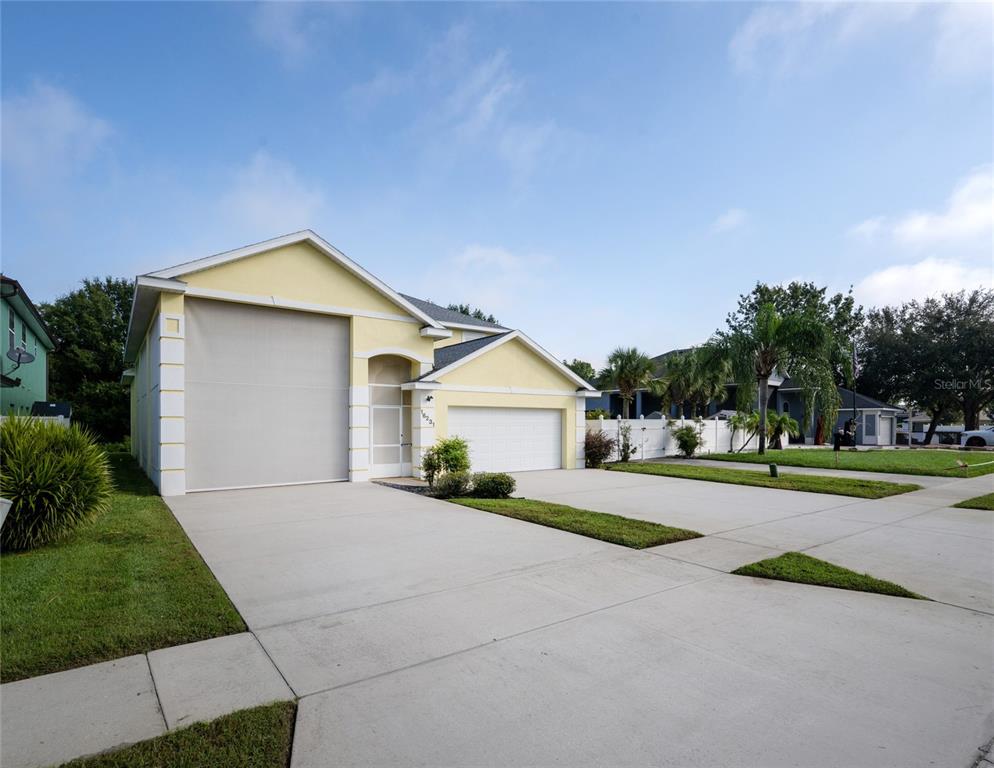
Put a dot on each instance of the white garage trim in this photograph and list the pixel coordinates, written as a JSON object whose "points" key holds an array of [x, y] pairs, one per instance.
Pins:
{"points": [[509, 439]]}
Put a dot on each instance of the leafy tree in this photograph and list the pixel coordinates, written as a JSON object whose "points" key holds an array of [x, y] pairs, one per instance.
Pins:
{"points": [[780, 424], [629, 370], [839, 314], [936, 355], [474, 312], [583, 369], [760, 345], [89, 326]]}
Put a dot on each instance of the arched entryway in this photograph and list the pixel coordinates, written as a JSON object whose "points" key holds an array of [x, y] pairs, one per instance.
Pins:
{"points": [[390, 416]]}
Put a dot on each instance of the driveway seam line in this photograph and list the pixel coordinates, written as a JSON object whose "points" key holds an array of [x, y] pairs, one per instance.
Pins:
{"points": [[155, 689], [512, 636]]}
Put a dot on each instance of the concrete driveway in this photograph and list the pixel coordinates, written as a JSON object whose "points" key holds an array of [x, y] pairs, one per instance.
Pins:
{"points": [[421, 633]]}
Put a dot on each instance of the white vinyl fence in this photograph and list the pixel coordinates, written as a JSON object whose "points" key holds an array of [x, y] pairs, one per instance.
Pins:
{"points": [[653, 438], [61, 420]]}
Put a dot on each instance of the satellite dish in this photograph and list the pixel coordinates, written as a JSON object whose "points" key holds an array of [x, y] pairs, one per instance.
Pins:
{"points": [[20, 356]]}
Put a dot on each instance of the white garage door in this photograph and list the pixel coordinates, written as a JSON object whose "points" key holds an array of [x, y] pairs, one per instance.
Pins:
{"points": [[509, 439], [266, 396]]}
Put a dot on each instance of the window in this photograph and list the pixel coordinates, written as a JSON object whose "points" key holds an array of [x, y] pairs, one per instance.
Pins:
{"points": [[786, 408], [24, 336], [10, 327], [870, 425]]}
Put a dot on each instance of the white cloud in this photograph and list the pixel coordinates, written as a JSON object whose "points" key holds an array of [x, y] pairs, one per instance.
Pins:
{"points": [[784, 36], [731, 219], [294, 29], [48, 135], [929, 277], [968, 216], [267, 197], [965, 42]]}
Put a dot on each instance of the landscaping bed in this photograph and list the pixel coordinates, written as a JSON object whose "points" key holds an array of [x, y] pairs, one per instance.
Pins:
{"points": [[128, 582], [637, 534], [841, 486], [253, 738], [804, 569], [941, 463], [978, 502]]}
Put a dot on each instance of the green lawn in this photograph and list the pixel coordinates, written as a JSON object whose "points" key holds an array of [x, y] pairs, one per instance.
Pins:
{"points": [[843, 486], [637, 534], [906, 462], [129, 582], [803, 569], [252, 738], [978, 502]]}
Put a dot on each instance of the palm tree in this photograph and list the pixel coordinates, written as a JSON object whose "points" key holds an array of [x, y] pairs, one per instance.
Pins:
{"points": [[737, 422], [695, 377], [629, 370], [779, 425], [796, 343]]}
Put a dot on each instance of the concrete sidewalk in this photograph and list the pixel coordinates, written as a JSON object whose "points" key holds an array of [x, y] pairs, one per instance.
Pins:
{"points": [[53, 718]]}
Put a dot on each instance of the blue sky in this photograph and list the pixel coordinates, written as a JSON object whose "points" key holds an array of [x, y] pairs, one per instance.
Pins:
{"points": [[595, 174]]}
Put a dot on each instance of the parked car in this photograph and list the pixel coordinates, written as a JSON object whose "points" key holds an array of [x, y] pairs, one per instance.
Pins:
{"points": [[978, 438]]}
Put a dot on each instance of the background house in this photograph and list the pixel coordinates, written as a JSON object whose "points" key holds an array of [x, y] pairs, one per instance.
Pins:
{"points": [[25, 384], [876, 421]]}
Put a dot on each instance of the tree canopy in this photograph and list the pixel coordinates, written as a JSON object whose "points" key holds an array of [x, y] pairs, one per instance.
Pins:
{"points": [[630, 370], [583, 369], [89, 327], [474, 312]]}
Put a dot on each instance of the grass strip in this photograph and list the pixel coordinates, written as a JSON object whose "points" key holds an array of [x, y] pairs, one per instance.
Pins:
{"points": [[938, 462], [252, 738], [841, 486], [128, 582], [804, 569], [637, 534], [978, 502]]}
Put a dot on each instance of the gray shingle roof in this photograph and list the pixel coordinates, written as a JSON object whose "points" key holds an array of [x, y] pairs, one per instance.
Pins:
{"points": [[446, 356], [443, 315]]}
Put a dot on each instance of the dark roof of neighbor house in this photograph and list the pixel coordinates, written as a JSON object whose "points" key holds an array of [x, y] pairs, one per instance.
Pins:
{"points": [[862, 401], [446, 356], [12, 291], [659, 361], [443, 315]]}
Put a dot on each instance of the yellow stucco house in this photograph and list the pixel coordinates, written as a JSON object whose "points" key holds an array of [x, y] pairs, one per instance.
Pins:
{"points": [[286, 362]]}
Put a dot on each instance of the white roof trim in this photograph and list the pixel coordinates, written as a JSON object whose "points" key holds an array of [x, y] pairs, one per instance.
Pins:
{"points": [[489, 330], [313, 239], [549, 358]]}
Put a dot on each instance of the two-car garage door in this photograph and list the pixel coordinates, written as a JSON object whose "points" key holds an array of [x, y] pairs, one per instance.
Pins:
{"points": [[266, 396], [509, 439]]}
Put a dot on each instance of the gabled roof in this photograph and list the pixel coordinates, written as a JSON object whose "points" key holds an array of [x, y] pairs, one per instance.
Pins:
{"points": [[304, 236], [450, 316], [862, 401], [449, 358]]}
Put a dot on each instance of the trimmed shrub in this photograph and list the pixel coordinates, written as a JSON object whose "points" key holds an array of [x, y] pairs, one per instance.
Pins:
{"points": [[56, 478], [596, 413], [452, 484], [597, 448], [449, 454], [687, 439], [492, 485]]}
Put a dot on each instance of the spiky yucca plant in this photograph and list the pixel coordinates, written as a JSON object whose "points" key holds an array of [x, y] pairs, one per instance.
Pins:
{"points": [[56, 478]]}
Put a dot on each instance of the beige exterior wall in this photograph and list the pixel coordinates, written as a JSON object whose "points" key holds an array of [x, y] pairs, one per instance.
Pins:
{"points": [[513, 376]]}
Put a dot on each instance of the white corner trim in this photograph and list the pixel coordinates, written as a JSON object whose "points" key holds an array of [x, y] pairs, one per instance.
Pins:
{"points": [[427, 386], [303, 236], [540, 351], [436, 333], [159, 284], [398, 351], [281, 303]]}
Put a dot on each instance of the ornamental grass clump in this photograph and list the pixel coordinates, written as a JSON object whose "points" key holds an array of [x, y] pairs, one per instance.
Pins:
{"points": [[55, 477]]}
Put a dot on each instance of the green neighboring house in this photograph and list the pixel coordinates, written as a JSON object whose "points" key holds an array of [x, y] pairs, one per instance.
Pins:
{"points": [[23, 328]]}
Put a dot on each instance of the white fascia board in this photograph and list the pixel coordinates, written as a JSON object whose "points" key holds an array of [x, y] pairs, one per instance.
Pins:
{"points": [[420, 385], [488, 329], [315, 240], [436, 333]]}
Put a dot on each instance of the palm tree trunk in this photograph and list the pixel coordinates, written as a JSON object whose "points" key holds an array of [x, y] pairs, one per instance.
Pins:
{"points": [[764, 396], [624, 406]]}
